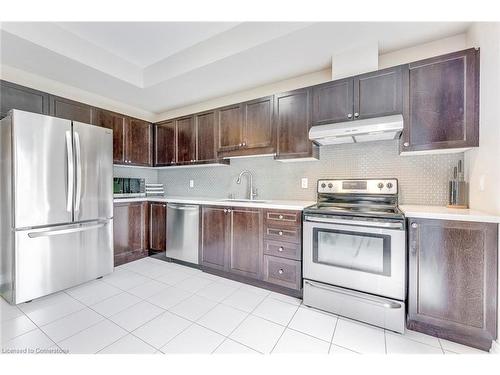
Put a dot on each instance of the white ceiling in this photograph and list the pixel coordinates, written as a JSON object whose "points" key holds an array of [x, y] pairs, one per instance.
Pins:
{"points": [[161, 66]]}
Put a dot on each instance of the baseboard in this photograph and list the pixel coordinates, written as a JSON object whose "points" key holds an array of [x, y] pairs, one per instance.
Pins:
{"points": [[495, 347]]}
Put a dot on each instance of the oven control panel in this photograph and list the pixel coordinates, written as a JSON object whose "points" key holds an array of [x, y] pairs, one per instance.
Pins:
{"points": [[370, 186]]}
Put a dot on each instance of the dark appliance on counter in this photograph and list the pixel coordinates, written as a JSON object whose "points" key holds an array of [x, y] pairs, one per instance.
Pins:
{"points": [[124, 187]]}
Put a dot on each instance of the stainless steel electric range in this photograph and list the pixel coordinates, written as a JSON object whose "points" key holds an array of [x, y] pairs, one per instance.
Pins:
{"points": [[355, 252]]}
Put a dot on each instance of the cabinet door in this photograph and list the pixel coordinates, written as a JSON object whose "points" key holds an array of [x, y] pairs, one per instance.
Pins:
{"points": [[157, 226], [129, 231], [246, 243], [138, 142], [14, 96], [379, 93], [453, 280], [291, 113], [332, 102], [443, 103], [71, 110], [186, 140], [165, 143], [230, 128], [258, 130], [205, 127], [116, 122], [215, 229]]}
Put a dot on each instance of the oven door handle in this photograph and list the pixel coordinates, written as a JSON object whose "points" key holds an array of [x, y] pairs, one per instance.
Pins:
{"points": [[377, 224], [371, 300]]}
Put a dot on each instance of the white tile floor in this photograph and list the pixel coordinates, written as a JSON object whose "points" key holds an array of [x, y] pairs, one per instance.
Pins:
{"points": [[151, 306]]}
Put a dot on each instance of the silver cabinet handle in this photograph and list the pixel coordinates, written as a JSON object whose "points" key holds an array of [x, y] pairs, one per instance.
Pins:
{"points": [[349, 115], [71, 172], [406, 144], [225, 210], [414, 225], [356, 115], [280, 233], [66, 230], [244, 144], [280, 249], [78, 194], [280, 217], [240, 144], [280, 271]]}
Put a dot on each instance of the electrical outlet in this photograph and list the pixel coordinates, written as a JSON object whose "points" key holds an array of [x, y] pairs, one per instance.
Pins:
{"points": [[482, 182], [304, 182], [191, 183]]}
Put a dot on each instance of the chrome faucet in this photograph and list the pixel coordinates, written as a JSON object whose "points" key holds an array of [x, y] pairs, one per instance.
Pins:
{"points": [[252, 194]]}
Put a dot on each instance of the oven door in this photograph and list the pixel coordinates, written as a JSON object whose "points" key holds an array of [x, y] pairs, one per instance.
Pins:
{"points": [[367, 256]]}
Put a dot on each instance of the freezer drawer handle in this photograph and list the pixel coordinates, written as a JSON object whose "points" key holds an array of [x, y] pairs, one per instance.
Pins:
{"points": [[57, 232], [381, 303]]}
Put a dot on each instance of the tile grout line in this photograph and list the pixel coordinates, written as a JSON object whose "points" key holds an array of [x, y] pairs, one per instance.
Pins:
{"points": [[333, 335], [286, 327]]}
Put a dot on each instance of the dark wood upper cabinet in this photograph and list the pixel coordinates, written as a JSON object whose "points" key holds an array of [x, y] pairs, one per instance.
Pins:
{"points": [[215, 239], [453, 280], [379, 93], [333, 102], [157, 226], [205, 128], [443, 103], [246, 251], [186, 140], [229, 128], [258, 131], [71, 110], [14, 96], [165, 143], [292, 118], [138, 142], [129, 231], [117, 123]]}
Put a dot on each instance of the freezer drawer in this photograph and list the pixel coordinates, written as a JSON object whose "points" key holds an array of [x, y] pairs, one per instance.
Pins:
{"points": [[381, 312], [52, 259]]}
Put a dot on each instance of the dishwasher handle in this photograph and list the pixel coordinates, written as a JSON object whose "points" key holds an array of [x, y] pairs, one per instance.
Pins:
{"points": [[185, 207]]}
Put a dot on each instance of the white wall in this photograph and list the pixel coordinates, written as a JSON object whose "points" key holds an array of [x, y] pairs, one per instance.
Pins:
{"points": [[435, 48], [483, 163], [37, 82]]}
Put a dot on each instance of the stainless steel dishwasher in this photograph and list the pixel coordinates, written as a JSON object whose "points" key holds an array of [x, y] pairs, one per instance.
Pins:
{"points": [[183, 232]]}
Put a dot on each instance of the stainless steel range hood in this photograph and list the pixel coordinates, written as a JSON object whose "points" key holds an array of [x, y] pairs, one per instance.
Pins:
{"points": [[373, 129]]}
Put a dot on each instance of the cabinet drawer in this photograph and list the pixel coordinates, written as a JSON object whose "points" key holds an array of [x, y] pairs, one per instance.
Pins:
{"points": [[292, 218], [284, 272], [283, 249], [289, 234]]}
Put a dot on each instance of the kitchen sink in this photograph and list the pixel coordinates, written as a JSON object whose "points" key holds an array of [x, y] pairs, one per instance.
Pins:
{"points": [[243, 200]]}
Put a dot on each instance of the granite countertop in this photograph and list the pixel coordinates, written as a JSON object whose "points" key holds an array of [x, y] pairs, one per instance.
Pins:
{"points": [[266, 203], [445, 213]]}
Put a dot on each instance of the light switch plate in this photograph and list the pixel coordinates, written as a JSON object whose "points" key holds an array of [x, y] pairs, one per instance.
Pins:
{"points": [[191, 183], [304, 183]]}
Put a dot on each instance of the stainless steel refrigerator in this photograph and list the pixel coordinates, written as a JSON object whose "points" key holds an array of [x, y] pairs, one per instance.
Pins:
{"points": [[56, 204]]}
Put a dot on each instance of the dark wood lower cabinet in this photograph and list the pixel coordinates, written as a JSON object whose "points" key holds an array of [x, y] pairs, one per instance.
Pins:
{"points": [[246, 242], [157, 226], [129, 231], [232, 246], [215, 230], [453, 280]]}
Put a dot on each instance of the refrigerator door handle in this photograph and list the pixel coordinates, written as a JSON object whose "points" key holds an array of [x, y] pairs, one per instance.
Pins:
{"points": [[78, 194], [71, 172], [65, 230]]}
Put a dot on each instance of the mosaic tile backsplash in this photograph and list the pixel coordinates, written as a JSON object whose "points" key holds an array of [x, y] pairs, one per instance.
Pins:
{"points": [[422, 179]]}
